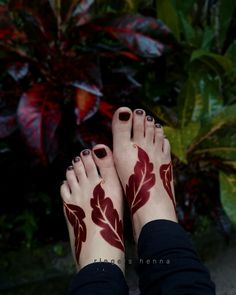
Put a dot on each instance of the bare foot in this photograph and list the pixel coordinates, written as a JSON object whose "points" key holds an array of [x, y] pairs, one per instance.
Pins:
{"points": [[143, 163], [93, 207]]}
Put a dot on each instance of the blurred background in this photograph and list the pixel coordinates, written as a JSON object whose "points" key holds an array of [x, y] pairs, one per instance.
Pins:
{"points": [[66, 65]]}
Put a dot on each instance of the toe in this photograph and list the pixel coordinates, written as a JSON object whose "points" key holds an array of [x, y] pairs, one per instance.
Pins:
{"points": [[166, 148], [159, 139], [65, 191], [79, 169], [121, 125], [149, 129], [71, 178], [104, 160], [89, 164], [138, 125]]}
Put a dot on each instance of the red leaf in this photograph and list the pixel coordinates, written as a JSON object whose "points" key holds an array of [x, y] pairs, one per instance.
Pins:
{"points": [[129, 55], [140, 182], [75, 216], [166, 177], [145, 36], [82, 7], [8, 125], [39, 116], [105, 216], [40, 18], [107, 109], [86, 105]]}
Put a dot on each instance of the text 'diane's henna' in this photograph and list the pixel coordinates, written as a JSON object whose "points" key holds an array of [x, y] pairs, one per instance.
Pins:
{"points": [[105, 216], [166, 177], [140, 182], [75, 216]]}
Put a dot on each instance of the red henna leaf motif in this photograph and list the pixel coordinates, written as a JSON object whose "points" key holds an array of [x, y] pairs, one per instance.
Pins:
{"points": [[75, 216], [166, 177], [105, 216], [140, 182]]}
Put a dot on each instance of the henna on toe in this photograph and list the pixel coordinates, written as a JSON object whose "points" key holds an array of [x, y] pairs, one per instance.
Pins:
{"points": [[143, 163], [93, 207]]}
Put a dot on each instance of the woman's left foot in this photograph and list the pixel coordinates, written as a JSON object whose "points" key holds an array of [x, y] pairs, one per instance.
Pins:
{"points": [[93, 207]]}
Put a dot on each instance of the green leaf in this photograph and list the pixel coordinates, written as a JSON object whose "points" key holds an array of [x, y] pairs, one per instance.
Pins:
{"points": [[228, 194], [200, 96], [165, 114], [208, 36], [222, 144], [226, 11], [212, 60], [231, 53], [167, 13], [209, 91], [186, 102], [180, 139], [186, 27], [212, 125], [184, 6]]}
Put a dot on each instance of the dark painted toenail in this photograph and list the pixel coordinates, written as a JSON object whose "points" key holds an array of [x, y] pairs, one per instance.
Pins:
{"points": [[158, 125], [124, 116], [150, 118], [100, 153], [86, 152], [139, 112], [70, 168], [76, 159]]}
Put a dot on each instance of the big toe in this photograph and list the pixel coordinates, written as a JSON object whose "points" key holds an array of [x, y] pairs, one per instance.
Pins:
{"points": [[122, 125], [104, 160]]}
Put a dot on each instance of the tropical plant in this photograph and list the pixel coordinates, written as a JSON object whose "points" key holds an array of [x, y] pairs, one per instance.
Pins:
{"points": [[201, 126], [58, 57], [68, 64]]}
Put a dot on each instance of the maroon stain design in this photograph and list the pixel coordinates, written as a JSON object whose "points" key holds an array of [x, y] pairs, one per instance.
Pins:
{"points": [[75, 216], [166, 177], [140, 182], [105, 216]]}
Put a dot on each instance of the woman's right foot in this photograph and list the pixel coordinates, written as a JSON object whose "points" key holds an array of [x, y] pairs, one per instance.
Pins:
{"points": [[143, 163], [93, 205]]}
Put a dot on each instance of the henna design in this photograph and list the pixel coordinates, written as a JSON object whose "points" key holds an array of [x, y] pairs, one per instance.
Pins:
{"points": [[105, 216], [166, 177], [140, 182], [75, 216]]}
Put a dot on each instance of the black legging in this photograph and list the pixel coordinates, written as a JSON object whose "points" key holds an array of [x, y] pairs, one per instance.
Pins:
{"points": [[168, 264]]}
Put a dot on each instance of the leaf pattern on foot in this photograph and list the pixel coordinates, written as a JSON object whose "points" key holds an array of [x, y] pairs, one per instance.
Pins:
{"points": [[140, 182], [75, 215], [166, 177], [105, 216]]}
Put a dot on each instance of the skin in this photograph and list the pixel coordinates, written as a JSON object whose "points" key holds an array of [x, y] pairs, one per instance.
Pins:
{"points": [[139, 131], [142, 164], [79, 189]]}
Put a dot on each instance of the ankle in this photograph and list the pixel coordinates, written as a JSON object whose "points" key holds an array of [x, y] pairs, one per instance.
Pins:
{"points": [[151, 212]]}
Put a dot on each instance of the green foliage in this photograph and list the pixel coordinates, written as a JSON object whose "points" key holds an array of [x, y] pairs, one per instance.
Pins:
{"points": [[228, 194], [113, 53], [26, 224], [201, 125]]}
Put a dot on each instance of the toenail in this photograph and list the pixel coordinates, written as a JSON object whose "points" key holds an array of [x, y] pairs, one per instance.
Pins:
{"points": [[124, 116], [150, 118], [76, 159], [139, 112], [86, 152], [158, 125], [100, 153], [70, 168]]}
